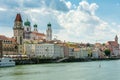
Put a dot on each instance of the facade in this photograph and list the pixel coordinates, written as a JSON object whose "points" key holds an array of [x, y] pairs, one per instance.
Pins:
{"points": [[47, 50], [113, 46], [1, 54], [8, 46], [81, 52], [32, 35], [84, 52], [96, 53], [29, 49], [71, 52]]}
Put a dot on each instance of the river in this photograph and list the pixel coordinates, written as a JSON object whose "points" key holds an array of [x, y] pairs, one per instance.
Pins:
{"points": [[95, 70]]}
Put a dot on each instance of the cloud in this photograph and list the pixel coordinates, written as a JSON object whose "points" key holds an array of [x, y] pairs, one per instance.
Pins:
{"points": [[5, 30], [90, 8], [2, 9], [69, 21]]}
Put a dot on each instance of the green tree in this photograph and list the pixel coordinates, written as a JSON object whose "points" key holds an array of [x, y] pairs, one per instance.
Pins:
{"points": [[103, 44], [107, 52]]}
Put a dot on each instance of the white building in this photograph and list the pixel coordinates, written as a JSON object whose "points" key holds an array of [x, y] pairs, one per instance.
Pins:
{"points": [[116, 51], [44, 50], [81, 53], [71, 52], [95, 53], [49, 51], [84, 52], [29, 49]]}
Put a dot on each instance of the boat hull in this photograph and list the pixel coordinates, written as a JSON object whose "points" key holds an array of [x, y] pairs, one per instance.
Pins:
{"points": [[6, 62]]}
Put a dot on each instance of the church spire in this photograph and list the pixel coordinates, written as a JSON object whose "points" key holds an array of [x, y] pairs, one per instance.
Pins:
{"points": [[116, 38]]}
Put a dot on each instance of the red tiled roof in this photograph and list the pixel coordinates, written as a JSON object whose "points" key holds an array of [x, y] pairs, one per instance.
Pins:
{"points": [[2, 37], [18, 17], [112, 43], [12, 39], [38, 34]]}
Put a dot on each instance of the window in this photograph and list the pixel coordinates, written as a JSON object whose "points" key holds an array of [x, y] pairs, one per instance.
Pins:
{"points": [[20, 40]]}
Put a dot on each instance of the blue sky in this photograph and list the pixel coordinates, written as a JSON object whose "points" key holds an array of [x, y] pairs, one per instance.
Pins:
{"points": [[72, 20]]}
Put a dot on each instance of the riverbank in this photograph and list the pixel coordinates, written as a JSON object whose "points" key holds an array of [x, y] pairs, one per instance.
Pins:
{"points": [[41, 61]]}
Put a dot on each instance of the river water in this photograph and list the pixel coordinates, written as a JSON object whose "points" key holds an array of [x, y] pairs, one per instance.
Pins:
{"points": [[96, 70]]}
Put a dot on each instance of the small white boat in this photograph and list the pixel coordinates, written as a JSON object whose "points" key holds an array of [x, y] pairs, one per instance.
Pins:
{"points": [[6, 62]]}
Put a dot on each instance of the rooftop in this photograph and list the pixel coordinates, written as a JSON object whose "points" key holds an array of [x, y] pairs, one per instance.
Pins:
{"points": [[18, 17]]}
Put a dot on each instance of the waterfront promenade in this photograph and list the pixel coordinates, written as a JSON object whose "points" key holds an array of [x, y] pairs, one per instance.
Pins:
{"points": [[64, 60]]}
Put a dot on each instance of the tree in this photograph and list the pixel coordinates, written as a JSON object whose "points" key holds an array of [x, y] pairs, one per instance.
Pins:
{"points": [[103, 44], [88, 44], [107, 52]]}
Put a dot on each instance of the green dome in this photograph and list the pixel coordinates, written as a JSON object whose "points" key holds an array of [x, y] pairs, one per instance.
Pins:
{"points": [[35, 25], [27, 23], [48, 24]]}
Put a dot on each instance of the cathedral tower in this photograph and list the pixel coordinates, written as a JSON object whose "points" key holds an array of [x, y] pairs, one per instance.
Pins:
{"points": [[49, 32], [18, 29], [35, 28], [18, 32]]}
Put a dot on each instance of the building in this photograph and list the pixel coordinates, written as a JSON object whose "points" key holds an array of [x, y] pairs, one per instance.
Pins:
{"points": [[1, 54], [49, 51], [49, 33], [44, 51], [8, 46], [113, 46], [29, 49], [32, 35], [81, 52], [71, 52], [18, 32]]}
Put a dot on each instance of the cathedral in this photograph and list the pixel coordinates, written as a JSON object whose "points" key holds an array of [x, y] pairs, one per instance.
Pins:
{"points": [[24, 32]]}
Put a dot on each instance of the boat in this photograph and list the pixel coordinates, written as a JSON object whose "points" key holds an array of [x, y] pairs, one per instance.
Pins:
{"points": [[6, 62]]}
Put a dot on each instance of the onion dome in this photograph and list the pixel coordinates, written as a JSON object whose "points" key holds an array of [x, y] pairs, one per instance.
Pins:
{"points": [[27, 23], [49, 24], [35, 25]]}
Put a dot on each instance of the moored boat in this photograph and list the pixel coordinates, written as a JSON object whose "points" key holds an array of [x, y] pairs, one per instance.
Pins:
{"points": [[6, 62]]}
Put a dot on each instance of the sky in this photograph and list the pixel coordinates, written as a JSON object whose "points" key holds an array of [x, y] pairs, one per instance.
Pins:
{"points": [[72, 20]]}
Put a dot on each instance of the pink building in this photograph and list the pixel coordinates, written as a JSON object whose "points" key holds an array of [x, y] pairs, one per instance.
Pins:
{"points": [[113, 46]]}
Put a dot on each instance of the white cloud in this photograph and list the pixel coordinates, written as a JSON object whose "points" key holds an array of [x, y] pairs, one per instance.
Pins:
{"points": [[69, 4], [78, 24], [2, 9], [93, 7], [85, 6], [5, 30]]}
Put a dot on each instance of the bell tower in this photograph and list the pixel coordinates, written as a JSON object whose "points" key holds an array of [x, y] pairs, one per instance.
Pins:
{"points": [[116, 38], [18, 32], [49, 32], [35, 28]]}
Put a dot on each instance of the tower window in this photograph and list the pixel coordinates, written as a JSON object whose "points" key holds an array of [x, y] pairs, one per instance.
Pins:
{"points": [[20, 40], [27, 29]]}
